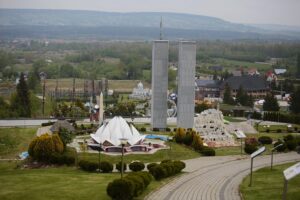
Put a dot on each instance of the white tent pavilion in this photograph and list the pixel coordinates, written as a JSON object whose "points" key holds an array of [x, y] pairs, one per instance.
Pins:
{"points": [[109, 134]]}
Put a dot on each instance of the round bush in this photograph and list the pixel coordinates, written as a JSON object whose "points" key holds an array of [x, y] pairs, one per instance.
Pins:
{"points": [[143, 129], [150, 165], [155, 129], [147, 178], [41, 148], [118, 166], [165, 161], [121, 189], [88, 165], [207, 151], [168, 129], [138, 182], [62, 159], [291, 144], [265, 140], [106, 167], [136, 166], [179, 165], [158, 172], [281, 148], [249, 149]]}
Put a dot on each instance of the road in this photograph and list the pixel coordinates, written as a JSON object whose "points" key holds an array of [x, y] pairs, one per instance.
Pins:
{"points": [[215, 178]]}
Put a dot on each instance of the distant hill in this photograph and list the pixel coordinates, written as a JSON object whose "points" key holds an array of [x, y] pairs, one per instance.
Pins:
{"points": [[96, 24]]}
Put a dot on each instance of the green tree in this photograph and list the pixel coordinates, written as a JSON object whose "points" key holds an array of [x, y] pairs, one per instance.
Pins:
{"points": [[298, 65], [271, 103], [21, 101], [34, 79], [227, 95], [294, 103], [241, 96]]}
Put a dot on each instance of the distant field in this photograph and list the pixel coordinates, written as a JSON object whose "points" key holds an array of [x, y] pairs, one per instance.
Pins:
{"points": [[116, 85]]}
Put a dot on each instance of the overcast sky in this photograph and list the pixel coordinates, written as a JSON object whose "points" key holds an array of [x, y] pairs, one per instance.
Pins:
{"points": [[285, 12]]}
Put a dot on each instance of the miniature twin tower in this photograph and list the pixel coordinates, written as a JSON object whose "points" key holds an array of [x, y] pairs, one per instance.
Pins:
{"points": [[186, 84]]}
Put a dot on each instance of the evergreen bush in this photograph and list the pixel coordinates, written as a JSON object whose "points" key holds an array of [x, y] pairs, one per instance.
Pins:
{"points": [[136, 166], [88, 165], [265, 140], [121, 189], [106, 167], [207, 151]]}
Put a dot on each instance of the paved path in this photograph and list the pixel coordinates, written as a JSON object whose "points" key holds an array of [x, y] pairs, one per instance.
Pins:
{"points": [[215, 178]]}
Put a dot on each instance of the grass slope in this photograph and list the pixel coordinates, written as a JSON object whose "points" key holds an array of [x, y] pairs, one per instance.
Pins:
{"points": [[268, 184], [15, 140]]}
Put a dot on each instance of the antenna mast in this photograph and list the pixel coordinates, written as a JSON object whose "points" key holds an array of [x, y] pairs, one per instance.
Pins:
{"points": [[161, 26]]}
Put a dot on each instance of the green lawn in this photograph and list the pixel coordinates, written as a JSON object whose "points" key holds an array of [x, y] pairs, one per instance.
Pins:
{"points": [[58, 183], [15, 140], [232, 119], [268, 184], [177, 152]]}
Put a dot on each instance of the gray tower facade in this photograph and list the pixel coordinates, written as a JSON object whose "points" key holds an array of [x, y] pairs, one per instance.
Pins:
{"points": [[186, 84], [160, 60]]}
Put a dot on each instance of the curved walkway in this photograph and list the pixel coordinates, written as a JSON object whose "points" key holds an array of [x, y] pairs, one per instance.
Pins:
{"points": [[215, 178]]}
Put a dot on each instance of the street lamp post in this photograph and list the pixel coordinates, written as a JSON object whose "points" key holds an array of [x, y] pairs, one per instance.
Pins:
{"points": [[123, 143], [272, 152], [99, 159]]}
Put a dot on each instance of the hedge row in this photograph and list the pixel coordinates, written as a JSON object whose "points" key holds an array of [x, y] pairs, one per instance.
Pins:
{"points": [[89, 166], [165, 169], [129, 187], [281, 117]]}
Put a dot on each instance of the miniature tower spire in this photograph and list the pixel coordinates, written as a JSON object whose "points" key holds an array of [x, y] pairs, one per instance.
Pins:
{"points": [[161, 26]]}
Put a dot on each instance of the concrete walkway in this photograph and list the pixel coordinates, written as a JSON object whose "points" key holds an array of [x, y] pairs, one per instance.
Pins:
{"points": [[215, 178]]}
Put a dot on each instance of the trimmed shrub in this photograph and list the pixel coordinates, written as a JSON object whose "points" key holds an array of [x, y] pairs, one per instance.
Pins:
{"points": [[121, 189], [147, 178], [136, 166], [158, 172], [165, 161], [265, 140], [119, 164], [188, 139], [179, 165], [180, 134], [249, 148], [88, 165], [291, 144], [174, 129], [197, 143], [281, 148], [106, 167], [150, 165], [207, 151], [143, 129], [168, 129], [138, 182], [268, 130], [41, 148], [62, 159]]}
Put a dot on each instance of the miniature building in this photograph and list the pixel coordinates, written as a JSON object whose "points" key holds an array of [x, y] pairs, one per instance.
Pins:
{"points": [[160, 59], [186, 84], [212, 129], [139, 92]]}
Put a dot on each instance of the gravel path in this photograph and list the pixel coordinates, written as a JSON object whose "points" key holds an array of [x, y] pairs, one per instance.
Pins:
{"points": [[215, 178]]}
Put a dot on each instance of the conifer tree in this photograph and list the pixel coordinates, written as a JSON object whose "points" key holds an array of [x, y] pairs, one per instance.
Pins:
{"points": [[21, 102], [227, 95], [294, 103], [271, 103]]}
